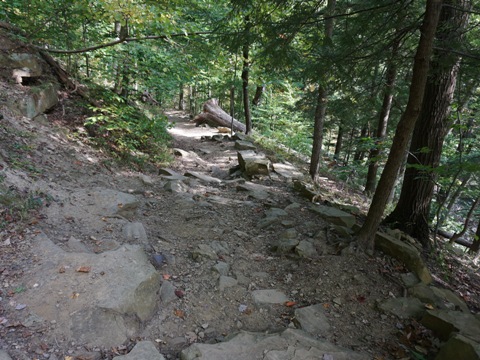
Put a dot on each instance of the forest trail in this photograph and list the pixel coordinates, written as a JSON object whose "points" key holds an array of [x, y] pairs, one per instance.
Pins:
{"points": [[172, 260]]}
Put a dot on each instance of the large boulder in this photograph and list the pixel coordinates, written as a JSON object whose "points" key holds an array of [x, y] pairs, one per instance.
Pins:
{"points": [[38, 100], [95, 299], [291, 344], [404, 252], [334, 215]]}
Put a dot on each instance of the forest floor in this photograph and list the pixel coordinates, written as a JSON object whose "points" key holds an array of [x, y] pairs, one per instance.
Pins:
{"points": [[50, 159]]}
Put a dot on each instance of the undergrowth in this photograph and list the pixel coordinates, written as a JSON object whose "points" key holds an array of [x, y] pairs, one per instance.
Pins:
{"points": [[131, 133]]}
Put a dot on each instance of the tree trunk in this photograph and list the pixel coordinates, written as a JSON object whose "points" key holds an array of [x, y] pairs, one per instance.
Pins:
{"points": [[390, 77], [366, 235], [475, 248], [245, 75], [181, 99], [214, 115], [466, 223], [258, 95], [321, 107], [338, 145], [411, 214], [360, 153]]}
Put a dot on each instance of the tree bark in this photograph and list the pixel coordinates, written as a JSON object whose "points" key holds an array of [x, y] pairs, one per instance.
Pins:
{"points": [[366, 235], [214, 114], [475, 248], [466, 223], [181, 98], [245, 75], [321, 107], [360, 152], [390, 77], [258, 95], [412, 211], [339, 143]]}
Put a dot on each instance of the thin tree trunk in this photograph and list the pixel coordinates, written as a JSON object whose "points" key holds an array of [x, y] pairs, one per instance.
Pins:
{"points": [[475, 248], [321, 107], [413, 208], [245, 75], [181, 99], [258, 94], [360, 153], [338, 145], [466, 223], [366, 235], [390, 77]]}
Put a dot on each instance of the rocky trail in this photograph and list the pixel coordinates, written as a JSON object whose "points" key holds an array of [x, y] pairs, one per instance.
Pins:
{"points": [[197, 261]]}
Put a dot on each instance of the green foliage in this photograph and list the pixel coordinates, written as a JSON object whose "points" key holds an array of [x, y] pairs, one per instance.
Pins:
{"points": [[127, 132]]}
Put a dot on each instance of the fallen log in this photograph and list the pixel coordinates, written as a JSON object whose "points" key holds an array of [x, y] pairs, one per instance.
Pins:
{"points": [[461, 241], [214, 115]]}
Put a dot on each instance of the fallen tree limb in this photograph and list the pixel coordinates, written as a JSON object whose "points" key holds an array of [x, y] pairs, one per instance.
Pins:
{"points": [[461, 241], [214, 115]]}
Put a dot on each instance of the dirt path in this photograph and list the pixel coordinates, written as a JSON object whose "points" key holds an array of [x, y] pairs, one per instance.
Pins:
{"points": [[209, 297]]}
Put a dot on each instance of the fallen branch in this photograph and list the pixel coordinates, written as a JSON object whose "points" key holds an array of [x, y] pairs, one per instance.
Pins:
{"points": [[214, 115]]}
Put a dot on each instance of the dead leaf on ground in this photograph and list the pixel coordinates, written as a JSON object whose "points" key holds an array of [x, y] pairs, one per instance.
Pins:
{"points": [[179, 313], [180, 294], [166, 276], [74, 295], [61, 270], [290, 303], [84, 269]]}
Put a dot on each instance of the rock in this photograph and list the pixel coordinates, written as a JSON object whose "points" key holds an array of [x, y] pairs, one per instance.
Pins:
{"points": [[267, 222], [276, 212], [202, 177], [291, 344], [168, 172], [287, 171], [175, 186], [147, 180], [103, 306], [441, 298], [285, 245], [459, 347], [305, 190], [342, 231], [404, 308], [409, 279], [222, 268], [239, 136], [75, 245], [135, 231], [445, 322], [204, 251], [244, 145], [167, 292], [4, 355], [252, 163], [181, 152], [226, 281], [334, 215], [269, 297], [306, 249], [39, 100], [220, 247], [256, 191], [312, 320], [142, 351], [405, 253]]}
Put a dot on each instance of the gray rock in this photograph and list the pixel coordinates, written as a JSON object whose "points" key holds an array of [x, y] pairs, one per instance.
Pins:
{"points": [[220, 247], [404, 308], [244, 145], [285, 245], [39, 100], [4, 355], [147, 180], [409, 279], [225, 282], [135, 231], [175, 186], [287, 171], [405, 253], [459, 347], [204, 251], [168, 172], [342, 230], [142, 351], [312, 320], [267, 222], [305, 190], [202, 177], [222, 268], [167, 292], [104, 304], [252, 163], [334, 215], [181, 152], [270, 296], [440, 298], [75, 245], [445, 322], [291, 344], [306, 249], [275, 212]]}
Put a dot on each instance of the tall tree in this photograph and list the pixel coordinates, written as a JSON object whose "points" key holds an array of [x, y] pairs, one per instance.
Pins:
{"points": [[366, 235], [411, 213], [321, 107]]}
